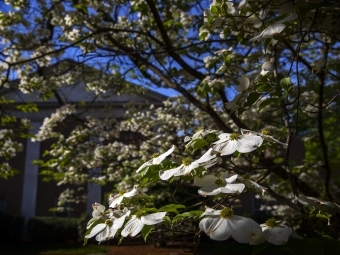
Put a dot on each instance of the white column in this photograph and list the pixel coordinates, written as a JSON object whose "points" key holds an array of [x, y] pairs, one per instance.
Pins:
{"points": [[30, 187], [94, 191], [94, 194]]}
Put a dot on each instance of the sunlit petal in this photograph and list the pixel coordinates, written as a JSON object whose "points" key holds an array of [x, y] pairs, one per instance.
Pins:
{"points": [[231, 178], [161, 157], [166, 175], [211, 190], [132, 227], [153, 218], [117, 201], [96, 229], [243, 229], [250, 143], [278, 235], [233, 188]]}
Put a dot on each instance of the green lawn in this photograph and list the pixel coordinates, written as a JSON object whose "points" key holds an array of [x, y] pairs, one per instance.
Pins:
{"points": [[34, 249]]}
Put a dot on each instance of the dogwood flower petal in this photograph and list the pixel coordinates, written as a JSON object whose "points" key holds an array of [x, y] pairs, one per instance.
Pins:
{"points": [[273, 232], [243, 84], [211, 190], [166, 175], [106, 234], [233, 188], [225, 224], [157, 160], [153, 218], [211, 212], [250, 143], [243, 229], [98, 210], [226, 148], [215, 228], [135, 225], [205, 180], [132, 227], [229, 143], [117, 200], [277, 235], [96, 229], [206, 161]]}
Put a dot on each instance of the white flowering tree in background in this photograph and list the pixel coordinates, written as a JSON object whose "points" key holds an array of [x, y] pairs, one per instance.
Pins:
{"points": [[251, 77]]}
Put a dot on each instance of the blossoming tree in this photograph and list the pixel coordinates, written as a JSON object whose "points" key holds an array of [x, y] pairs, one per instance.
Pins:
{"points": [[251, 77]]}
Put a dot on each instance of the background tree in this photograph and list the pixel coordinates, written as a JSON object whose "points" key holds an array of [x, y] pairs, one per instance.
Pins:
{"points": [[251, 65]]}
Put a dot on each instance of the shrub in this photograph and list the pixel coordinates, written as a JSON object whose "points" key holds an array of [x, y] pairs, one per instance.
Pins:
{"points": [[82, 223], [10, 228], [53, 229]]}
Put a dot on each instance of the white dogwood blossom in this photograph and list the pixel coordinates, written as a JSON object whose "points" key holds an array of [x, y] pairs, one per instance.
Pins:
{"points": [[212, 185], [201, 133], [117, 199], [229, 143], [274, 29], [98, 210], [269, 32], [265, 134], [157, 159], [137, 222], [273, 232], [222, 224], [207, 160], [109, 228]]}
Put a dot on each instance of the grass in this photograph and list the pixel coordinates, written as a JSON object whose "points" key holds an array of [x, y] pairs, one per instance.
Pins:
{"points": [[52, 249]]}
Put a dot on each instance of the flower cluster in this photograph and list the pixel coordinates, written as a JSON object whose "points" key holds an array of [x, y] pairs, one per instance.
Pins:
{"points": [[222, 224], [105, 224]]}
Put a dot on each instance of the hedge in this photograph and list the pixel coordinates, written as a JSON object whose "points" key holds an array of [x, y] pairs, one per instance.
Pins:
{"points": [[53, 229], [11, 228]]}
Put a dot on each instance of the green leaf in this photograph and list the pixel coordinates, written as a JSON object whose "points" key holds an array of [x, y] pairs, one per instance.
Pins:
{"points": [[195, 213], [203, 35], [240, 37], [252, 99], [81, 8], [196, 144], [263, 87], [146, 231], [321, 216], [211, 137], [4, 100], [285, 82], [171, 208], [143, 182], [168, 23], [276, 100], [29, 107], [214, 10], [120, 240]]}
